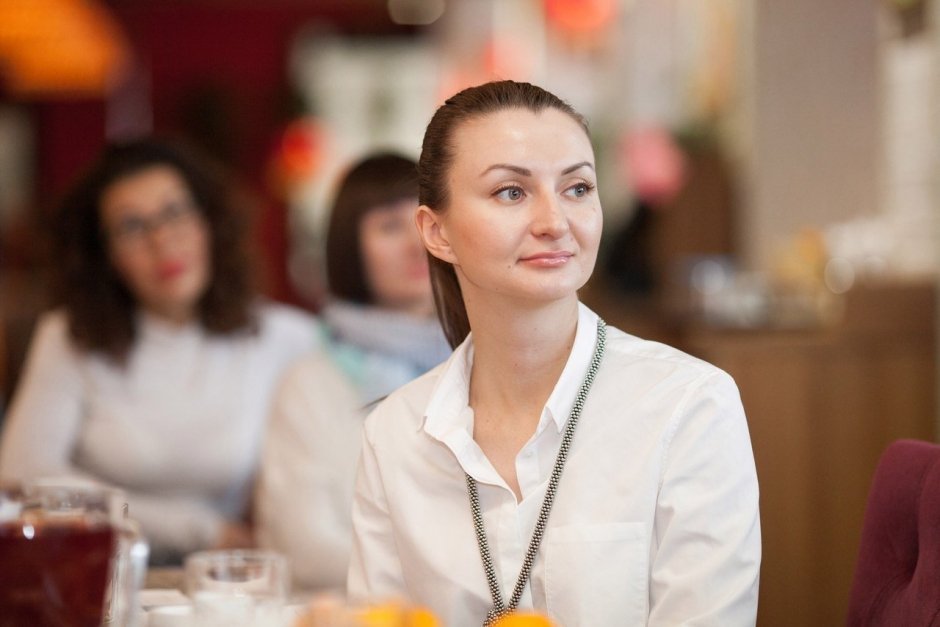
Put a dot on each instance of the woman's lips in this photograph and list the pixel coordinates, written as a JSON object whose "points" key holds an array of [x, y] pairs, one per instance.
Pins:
{"points": [[551, 259], [170, 270]]}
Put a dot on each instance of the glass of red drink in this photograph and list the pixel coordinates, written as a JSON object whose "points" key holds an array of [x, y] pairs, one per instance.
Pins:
{"points": [[57, 546]]}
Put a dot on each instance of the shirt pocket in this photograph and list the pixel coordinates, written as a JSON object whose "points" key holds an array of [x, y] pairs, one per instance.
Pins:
{"points": [[597, 574]]}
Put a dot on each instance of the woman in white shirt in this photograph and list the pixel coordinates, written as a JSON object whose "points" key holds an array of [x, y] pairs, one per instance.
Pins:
{"points": [[155, 373], [552, 462], [379, 333]]}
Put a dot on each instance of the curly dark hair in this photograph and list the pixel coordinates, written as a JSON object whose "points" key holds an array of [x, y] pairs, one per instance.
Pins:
{"points": [[99, 306], [376, 181]]}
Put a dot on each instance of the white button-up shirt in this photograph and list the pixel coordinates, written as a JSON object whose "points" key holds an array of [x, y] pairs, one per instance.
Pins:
{"points": [[656, 517]]}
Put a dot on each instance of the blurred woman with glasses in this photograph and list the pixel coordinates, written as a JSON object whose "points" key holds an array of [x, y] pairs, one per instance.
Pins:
{"points": [[155, 372]]}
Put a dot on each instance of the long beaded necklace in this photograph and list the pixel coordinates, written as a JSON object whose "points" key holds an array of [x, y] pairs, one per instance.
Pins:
{"points": [[499, 608]]}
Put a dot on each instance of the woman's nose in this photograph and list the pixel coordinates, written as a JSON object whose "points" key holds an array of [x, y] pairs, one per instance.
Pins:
{"points": [[161, 235], [549, 219]]}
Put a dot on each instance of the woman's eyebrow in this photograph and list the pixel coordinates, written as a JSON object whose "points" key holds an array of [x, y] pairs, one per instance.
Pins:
{"points": [[526, 172], [505, 166], [577, 166]]}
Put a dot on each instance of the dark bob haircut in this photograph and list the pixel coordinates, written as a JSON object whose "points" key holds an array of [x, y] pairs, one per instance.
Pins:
{"points": [[99, 306], [375, 182]]}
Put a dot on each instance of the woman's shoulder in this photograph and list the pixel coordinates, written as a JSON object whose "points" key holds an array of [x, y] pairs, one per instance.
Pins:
{"points": [[314, 382], [315, 371], [403, 411], [287, 322], [636, 354], [628, 350], [659, 376], [52, 329], [285, 333], [51, 348]]}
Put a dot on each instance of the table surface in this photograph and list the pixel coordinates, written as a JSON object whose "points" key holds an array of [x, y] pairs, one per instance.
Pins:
{"points": [[164, 577]]}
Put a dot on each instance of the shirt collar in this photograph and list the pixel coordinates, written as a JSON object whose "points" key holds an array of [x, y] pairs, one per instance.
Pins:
{"points": [[563, 396], [451, 393], [446, 417]]}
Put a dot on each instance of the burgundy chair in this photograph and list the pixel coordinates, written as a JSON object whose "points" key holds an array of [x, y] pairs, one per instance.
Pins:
{"points": [[897, 576]]}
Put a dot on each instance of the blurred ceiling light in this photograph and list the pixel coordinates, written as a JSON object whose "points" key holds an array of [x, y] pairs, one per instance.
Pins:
{"points": [[507, 58], [60, 47], [415, 12], [580, 16], [298, 155]]}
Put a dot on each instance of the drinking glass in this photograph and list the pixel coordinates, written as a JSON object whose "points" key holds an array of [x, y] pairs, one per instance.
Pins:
{"points": [[56, 548], [71, 557], [128, 571], [237, 588]]}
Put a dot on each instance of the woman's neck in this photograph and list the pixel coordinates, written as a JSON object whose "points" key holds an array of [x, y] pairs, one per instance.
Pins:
{"points": [[519, 353], [172, 317]]}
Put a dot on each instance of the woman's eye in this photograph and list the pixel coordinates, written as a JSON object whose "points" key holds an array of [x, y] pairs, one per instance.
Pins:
{"points": [[510, 194], [580, 190]]}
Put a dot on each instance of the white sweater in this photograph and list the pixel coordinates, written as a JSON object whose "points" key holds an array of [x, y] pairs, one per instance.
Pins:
{"points": [[308, 468], [178, 428]]}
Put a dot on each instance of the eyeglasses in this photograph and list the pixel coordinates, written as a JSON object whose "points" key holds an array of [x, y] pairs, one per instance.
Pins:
{"points": [[134, 230]]}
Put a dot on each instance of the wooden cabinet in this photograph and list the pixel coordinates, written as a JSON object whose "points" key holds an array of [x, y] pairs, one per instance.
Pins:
{"points": [[822, 405]]}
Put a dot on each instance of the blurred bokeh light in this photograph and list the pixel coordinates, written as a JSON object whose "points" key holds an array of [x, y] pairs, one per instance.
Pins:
{"points": [[60, 47]]}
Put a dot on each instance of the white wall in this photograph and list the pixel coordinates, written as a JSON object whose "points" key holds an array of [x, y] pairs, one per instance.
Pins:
{"points": [[814, 120]]}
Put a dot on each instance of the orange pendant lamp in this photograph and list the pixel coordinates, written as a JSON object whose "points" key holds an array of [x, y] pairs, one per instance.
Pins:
{"points": [[580, 17], [60, 48]]}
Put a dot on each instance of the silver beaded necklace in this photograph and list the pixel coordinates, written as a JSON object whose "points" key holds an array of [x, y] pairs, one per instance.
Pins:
{"points": [[499, 608]]}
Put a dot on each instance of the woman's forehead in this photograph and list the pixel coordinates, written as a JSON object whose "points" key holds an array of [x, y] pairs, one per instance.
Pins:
{"points": [[159, 179], [520, 136]]}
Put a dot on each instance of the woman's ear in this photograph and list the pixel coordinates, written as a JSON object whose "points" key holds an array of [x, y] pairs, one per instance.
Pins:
{"points": [[433, 234]]}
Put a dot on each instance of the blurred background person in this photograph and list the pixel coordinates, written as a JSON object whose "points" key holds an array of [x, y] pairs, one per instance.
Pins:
{"points": [[155, 372], [380, 332]]}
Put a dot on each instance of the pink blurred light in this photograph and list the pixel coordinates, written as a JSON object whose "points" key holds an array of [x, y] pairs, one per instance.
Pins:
{"points": [[654, 164]]}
